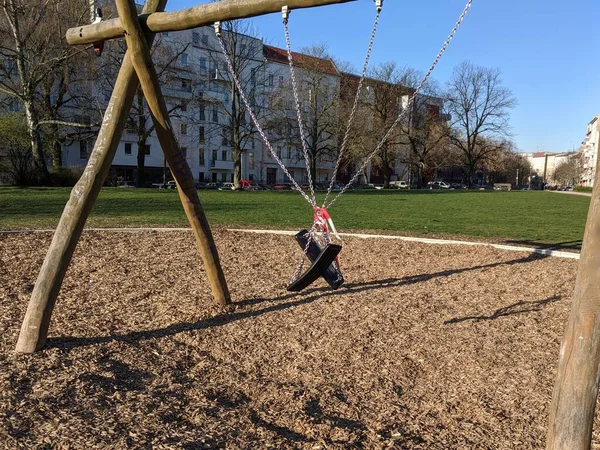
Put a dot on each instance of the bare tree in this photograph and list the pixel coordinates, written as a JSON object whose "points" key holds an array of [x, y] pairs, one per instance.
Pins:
{"points": [[318, 94], [245, 53], [33, 52], [479, 106], [569, 171], [507, 166]]}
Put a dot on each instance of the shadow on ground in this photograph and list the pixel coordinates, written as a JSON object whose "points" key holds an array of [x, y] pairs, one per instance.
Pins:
{"points": [[567, 245], [296, 299]]}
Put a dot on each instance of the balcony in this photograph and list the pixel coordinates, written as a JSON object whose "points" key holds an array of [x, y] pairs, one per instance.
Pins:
{"points": [[217, 164]]}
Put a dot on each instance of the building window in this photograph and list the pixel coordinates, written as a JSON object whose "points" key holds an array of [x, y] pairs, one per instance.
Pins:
{"points": [[83, 150], [186, 85], [184, 59], [224, 134], [251, 160], [202, 111], [292, 175], [195, 37], [128, 148], [183, 128], [146, 149], [271, 79], [251, 177], [281, 81], [215, 114], [214, 155], [289, 153], [205, 39], [201, 135], [232, 177], [224, 177], [201, 176], [279, 152], [202, 161], [203, 63], [224, 155]]}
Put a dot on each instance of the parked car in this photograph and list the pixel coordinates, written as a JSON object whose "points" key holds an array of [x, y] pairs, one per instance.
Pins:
{"points": [[212, 185], [438, 185], [248, 185], [226, 187], [281, 187], [459, 186], [400, 184]]}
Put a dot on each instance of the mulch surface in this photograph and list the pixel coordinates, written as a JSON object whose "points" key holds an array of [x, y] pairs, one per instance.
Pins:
{"points": [[424, 347]]}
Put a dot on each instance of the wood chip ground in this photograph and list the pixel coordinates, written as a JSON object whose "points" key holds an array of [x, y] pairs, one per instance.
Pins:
{"points": [[424, 347]]}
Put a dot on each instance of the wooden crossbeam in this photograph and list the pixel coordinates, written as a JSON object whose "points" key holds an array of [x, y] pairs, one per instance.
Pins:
{"points": [[198, 16]]}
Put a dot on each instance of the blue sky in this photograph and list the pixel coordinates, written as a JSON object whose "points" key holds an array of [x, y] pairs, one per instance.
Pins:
{"points": [[546, 51]]}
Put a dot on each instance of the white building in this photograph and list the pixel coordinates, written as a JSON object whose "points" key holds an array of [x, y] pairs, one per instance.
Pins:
{"points": [[318, 83], [589, 152], [543, 164], [197, 89]]}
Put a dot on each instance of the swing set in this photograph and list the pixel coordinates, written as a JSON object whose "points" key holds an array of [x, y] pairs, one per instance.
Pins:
{"points": [[575, 395]]}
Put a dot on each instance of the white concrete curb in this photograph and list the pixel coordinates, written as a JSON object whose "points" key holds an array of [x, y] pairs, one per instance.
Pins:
{"points": [[512, 248]]}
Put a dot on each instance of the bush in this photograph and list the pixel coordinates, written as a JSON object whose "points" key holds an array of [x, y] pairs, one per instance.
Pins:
{"points": [[16, 160], [583, 189], [66, 176]]}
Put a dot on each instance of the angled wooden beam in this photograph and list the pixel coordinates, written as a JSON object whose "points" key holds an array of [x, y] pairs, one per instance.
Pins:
{"points": [[139, 50], [198, 16], [576, 387], [39, 311]]}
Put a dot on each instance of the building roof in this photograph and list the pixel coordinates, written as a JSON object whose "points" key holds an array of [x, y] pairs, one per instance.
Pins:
{"points": [[279, 55]]}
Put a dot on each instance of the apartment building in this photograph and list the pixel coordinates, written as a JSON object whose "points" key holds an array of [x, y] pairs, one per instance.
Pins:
{"points": [[197, 90], [318, 84], [589, 152], [380, 104]]}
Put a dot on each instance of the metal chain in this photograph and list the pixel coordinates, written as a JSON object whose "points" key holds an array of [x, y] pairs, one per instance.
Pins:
{"points": [[355, 106], [297, 101], [403, 113], [257, 124]]}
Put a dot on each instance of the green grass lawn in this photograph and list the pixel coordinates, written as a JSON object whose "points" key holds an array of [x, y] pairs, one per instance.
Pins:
{"points": [[523, 217]]}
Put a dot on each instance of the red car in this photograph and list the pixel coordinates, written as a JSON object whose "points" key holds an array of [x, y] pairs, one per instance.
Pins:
{"points": [[281, 187]]}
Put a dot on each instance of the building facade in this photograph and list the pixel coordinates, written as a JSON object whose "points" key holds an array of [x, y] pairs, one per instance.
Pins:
{"points": [[589, 152]]}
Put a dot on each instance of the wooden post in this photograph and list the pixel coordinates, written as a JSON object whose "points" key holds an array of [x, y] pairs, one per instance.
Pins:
{"points": [[139, 50], [37, 318], [198, 16], [578, 375]]}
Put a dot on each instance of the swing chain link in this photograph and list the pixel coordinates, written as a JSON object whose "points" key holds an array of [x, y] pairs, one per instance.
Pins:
{"points": [[355, 105], [410, 103], [298, 111], [256, 122]]}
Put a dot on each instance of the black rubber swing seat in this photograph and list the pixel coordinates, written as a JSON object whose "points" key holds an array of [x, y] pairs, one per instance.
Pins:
{"points": [[322, 264]]}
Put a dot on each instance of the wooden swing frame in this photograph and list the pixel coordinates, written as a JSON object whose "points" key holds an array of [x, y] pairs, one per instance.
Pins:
{"points": [[575, 393]]}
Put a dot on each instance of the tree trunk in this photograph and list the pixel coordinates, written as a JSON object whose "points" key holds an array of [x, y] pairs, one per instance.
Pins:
{"points": [[36, 142], [386, 166], [142, 138], [56, 154]]}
